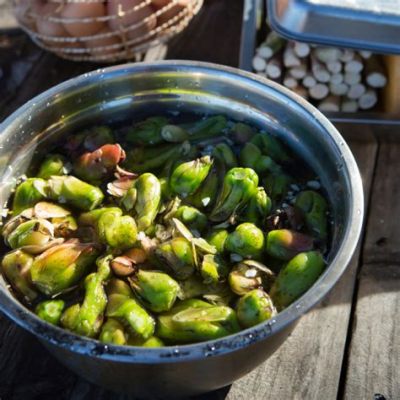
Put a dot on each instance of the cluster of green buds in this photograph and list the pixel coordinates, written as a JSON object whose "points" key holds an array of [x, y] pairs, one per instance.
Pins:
{"points": [[179, 234]]}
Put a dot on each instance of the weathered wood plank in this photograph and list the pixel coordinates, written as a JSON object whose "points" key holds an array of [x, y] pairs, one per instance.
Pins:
{"points": [[382, 243], [375, 345], [308, 364]]}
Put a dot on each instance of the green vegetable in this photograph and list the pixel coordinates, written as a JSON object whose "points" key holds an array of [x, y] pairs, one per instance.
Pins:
{"points": [[177, 255], [72, 191], [148, 199], [188, 177], [247, 240], [16, 267], [249, 275], [258, 208], [315, 208], [61, 266], [284, 244], [53, 165], [86, 318], [156, 289], [50, 311], [131, 314], [28, 193], [240, 185], [192, 218], [299, 274], [147, 132], [195, 320], [113, 332], [218, 238], [254, 307]]}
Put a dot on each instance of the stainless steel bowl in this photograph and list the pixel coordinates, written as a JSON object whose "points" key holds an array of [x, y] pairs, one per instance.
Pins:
{"points": [[121, 92]]}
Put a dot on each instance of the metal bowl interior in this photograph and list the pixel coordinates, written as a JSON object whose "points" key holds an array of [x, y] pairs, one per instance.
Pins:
{"points": [[118, 93]]}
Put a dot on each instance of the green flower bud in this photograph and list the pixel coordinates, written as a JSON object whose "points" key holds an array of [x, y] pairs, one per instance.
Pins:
{"points": [[113, 332], [217, 239], [53, 165], [284, 244], [299, 274], [148, 200], [247, 241], [249, 275], [187, 177], [213, 269], [240, 185], [62, 266], [177, 255], [314, 207], [254, 307], [147, 132], [258, 208], [192, 218], [86, 318], [156, 289], [74, 192], [27, 194], [50, 311], [195, 321], [16, 267], [116, 231]]}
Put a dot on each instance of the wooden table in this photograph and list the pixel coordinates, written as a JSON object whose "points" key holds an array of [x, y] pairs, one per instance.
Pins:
{"points": [[348, 347]]}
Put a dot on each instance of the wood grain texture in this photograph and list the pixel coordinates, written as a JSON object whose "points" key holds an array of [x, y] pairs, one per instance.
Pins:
{"points": [[383, 236], [375, 346], [308, 364]]}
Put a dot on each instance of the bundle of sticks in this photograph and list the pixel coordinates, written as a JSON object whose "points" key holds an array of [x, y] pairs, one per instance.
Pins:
{"points": [[333, 79]]}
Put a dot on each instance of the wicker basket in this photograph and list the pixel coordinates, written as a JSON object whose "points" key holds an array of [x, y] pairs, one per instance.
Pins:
{"points": [[123, 31]]}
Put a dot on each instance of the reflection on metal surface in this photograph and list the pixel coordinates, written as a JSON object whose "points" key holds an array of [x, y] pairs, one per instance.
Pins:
{"points": [[372, 25]]}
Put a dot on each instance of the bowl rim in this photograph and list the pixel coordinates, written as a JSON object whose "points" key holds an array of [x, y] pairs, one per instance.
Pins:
{"points": [[223, 346]]}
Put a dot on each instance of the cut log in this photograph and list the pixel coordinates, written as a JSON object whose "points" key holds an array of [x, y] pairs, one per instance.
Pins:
{"points": [[347, 55], [336, 78], [356, 91], [349, 105], [375, 73], [289, 81], [259, 64], [368, 100], [351, 78], [366, 54], [326, 54], [334, 66], [290, 59], [274, 68], [272, 44], [338, 89], [300, 71], [330, 103], [319, 91], [355, 65], [309, 81], [319, 71], [301, 49]]}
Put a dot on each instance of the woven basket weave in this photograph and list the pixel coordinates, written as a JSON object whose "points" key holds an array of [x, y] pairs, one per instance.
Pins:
{"points": [[125, 42]]}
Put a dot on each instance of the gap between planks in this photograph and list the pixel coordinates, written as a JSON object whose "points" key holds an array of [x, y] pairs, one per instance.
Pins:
{"points": [[382, 245], [373, 365]]}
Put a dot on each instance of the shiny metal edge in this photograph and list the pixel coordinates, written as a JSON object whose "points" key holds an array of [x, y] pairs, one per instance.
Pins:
{"points": [[335, 26]]}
